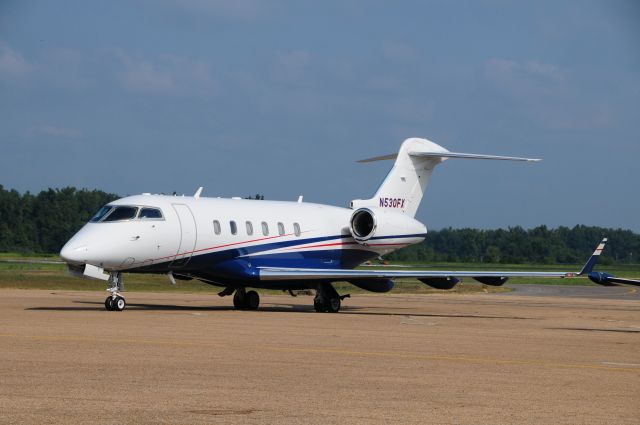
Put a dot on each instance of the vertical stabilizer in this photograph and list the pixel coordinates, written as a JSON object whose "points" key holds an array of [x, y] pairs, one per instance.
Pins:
{"points": [[405, 184]]}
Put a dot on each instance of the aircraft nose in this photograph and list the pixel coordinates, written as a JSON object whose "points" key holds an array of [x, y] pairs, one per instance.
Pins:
{"points": [[73, 253]]}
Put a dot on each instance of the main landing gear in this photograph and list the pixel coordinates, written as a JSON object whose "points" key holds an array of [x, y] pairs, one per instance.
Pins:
{"points": [[243, 300], [115, 301], [327, 299]]}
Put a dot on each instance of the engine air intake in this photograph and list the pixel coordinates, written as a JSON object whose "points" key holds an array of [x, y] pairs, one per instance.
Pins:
{"points": [[362, 224]]}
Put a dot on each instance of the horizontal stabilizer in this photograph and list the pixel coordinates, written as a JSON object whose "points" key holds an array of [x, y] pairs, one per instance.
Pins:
{"points": [[380, 158], [411, 172], [451, 155], [470, 156]]}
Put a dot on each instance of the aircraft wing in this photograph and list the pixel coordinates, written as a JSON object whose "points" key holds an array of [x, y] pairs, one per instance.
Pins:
{"points": [[382, 280], [442, 279], [281, 273]]}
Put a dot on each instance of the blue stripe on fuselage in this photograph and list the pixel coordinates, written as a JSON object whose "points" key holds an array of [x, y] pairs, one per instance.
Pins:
{"points": [[242, 261]]}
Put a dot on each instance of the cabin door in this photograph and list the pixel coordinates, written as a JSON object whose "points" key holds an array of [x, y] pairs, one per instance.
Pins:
{"points": [[189, 235]]}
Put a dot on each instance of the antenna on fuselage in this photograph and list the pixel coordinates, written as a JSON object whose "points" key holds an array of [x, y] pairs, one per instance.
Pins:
{"points": [[198, 192]]}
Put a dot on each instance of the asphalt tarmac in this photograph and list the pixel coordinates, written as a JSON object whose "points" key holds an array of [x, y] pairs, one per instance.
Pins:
{"points": [[620, 292], [539, 358]]}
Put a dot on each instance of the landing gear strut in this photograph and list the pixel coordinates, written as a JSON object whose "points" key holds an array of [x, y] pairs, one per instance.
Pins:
{"points": [[327, 299], [243, 300], [115, 301]]}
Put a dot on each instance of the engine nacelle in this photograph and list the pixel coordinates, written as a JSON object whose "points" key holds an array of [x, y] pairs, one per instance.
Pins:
{"points": [[440, 282], [363, 224], [368, 223], [492, 280], [373, 285]]}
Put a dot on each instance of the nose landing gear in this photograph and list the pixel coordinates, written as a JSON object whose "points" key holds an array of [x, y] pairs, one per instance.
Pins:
{"points": [[115, 301]]}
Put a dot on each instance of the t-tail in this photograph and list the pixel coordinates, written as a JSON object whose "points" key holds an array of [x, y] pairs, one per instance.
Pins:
{"points": [[405, 184]]}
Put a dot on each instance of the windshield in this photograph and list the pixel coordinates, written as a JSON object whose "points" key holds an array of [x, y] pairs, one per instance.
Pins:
{"points": [[126, 212], [100, 214], [121, 213]]}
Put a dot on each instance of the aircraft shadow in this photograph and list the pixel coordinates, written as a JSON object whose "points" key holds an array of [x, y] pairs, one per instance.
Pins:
{"points": [[281, 308], [630, 331]]}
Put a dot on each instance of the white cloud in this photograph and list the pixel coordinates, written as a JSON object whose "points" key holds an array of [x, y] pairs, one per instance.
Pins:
{"points": [[384, 83], [55, 132], [292, 65], [143, 76], [398, 51], [234, 9], [66, 68], [511, 72], [12, 63], [170, 75], [545, 94]]}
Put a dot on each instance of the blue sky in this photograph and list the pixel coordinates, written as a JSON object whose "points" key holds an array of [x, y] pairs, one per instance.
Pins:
{"points": [[282, 98]]}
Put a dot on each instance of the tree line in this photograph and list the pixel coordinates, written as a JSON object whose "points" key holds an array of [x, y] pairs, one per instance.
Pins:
{"points": [[42, 223], [515, 245]]}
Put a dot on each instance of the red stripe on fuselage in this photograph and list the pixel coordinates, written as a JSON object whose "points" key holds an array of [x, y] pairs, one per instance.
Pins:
{"points": [[216, 247]]}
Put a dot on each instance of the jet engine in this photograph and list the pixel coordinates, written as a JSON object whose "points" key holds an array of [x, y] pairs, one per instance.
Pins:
{"points": [[492, 280], [362, 224], [368, 223], [447, 282]]}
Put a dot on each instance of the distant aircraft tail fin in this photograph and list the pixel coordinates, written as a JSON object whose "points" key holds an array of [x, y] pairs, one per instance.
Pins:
{"points": [[405, 184], [590, 264]]}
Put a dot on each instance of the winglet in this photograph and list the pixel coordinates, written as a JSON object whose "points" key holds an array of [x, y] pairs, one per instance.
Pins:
{"points": [[590, 264], [198, 192]]}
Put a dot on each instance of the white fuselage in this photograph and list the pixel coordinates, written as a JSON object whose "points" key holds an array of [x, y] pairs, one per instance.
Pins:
{"points": [[196, 236]]}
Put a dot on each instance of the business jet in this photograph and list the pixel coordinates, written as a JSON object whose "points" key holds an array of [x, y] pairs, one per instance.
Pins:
{"points": [[239, 244]]}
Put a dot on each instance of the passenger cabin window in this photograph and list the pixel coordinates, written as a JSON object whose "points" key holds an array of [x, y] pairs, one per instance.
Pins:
{"points": [[100, 214], [265, 228], [150, 213], [296, 229], [216, 227], [121, 213], [249, 228], [280, 229], [234, 228]]}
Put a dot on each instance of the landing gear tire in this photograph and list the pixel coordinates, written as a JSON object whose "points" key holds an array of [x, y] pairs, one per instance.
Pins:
{"points": [[327, 299], [252, 300], [239, 300], [333, 305], [243, 300], [115, 302], [320, 307], [108, 303], [119, 304]]}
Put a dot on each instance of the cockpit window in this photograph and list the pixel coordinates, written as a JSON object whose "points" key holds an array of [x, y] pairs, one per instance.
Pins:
{"points": [[100, 214], [150, 213], [121, 213]]}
